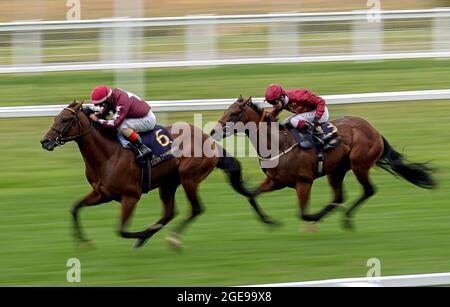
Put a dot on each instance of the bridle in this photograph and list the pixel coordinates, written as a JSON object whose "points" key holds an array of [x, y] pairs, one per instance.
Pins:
{"points": [[60, 139], [237, 116]]}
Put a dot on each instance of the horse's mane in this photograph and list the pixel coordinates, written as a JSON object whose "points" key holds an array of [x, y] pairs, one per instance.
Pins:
{"points": [[73, 104], [107, 133], [255, 106]]}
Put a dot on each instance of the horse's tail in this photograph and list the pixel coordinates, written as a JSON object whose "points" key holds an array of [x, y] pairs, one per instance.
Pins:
{"points": [[232, 167], [395, 163]]}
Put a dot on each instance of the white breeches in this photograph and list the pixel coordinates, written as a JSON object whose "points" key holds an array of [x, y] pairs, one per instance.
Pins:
{"points": [[142, 124], [307, 117]]}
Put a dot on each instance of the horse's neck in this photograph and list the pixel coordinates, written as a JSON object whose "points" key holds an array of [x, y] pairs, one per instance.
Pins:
{"points": [[97, 149], [266, 138]]}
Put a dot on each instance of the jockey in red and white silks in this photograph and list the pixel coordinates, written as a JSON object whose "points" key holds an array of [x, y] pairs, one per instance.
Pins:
{"points": [[131, 114], [308, 108]]}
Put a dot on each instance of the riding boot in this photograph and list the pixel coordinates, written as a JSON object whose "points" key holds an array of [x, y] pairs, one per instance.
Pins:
{"points": [[328, 131], [319, 133], [307, 135], [141, 148]]}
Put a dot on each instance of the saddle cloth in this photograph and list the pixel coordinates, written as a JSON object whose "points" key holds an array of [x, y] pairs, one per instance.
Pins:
{"points": [[160, 142]]}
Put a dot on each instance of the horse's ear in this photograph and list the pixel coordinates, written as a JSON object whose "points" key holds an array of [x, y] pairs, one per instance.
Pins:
{"points": [[249, 99], [240, 98]]}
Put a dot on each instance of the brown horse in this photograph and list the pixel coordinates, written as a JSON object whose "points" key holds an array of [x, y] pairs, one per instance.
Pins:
{"points": [[114, 175], [361, 148]]}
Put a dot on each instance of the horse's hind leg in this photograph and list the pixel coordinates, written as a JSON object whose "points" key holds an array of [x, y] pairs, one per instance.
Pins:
{"points": [[362, 174], [93, 198], [167, 195]]}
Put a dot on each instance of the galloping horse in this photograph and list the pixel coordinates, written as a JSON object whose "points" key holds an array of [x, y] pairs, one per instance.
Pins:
{"points": [[361, 148], [114, 175]]}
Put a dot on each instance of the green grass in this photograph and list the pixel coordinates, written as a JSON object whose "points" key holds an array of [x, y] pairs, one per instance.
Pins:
{"points": [[230, 81], [405, 227]]}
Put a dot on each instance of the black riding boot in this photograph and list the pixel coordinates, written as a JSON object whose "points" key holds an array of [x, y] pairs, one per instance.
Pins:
{"points": [[319, 133], [141, 148], [307, 133]]}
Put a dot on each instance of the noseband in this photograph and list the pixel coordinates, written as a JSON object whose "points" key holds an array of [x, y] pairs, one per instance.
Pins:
{"points": [[60, 139]]}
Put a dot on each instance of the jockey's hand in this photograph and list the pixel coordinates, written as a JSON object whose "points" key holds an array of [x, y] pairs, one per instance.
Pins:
{"points": [[94, 117], [272, 117], [316, 122]]}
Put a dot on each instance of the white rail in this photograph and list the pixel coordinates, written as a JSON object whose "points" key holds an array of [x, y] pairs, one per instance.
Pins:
{"points": [[420, 280], [264, 60], [194, 40], [221, 104], [224, 19]]}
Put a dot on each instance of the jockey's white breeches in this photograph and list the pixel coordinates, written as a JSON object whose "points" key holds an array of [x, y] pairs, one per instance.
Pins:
{"points": [[307, 117], [142, 124]]}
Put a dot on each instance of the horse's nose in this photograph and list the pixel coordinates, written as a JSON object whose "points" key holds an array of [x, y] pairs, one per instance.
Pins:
{"points": [[44, 143]]}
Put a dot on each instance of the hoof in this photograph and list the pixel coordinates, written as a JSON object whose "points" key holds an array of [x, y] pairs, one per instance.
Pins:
{"points": [[139, 243], [311, 227], [271, 222], [174, 241], [348, 224], [87, 245]]}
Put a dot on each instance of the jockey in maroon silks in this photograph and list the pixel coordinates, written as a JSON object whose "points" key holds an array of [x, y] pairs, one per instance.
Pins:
{"points": [[309, 110], [131, 115]]}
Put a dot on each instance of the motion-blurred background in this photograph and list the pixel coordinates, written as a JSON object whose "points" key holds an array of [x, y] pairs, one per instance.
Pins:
{"points": [[180, 58], [56, 9]]}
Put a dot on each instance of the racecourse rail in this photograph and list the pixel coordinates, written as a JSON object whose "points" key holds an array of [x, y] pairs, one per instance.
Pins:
{"points": [[420, 280], [364, 39], [221, 104]]}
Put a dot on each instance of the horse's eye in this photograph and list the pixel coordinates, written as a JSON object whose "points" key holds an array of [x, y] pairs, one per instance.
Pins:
{"points": [[65, 120]]}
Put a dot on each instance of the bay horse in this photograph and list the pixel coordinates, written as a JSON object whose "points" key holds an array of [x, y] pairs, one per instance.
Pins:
{"points": [[361, 148], [113, 173]]}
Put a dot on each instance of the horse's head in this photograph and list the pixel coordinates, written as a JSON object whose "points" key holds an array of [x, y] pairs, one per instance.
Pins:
{"points": [[236, 117], [67, 126]]}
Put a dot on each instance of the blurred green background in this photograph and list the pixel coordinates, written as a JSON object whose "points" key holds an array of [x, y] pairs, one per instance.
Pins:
{"points": [[405, 227]]}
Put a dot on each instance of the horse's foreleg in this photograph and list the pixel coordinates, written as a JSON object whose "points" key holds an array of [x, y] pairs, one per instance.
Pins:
{"points": [[128, 204], [266, 186], [92, 199], [167, 195], [335, 180], [191, 188], [303, 189]]}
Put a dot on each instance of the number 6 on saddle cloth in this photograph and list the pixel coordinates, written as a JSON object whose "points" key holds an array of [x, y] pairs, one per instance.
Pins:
{"points": [[160, 142]]}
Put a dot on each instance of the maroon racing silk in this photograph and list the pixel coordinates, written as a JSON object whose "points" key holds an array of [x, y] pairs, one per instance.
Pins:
{"points": [[302, 101], [124, 105]]}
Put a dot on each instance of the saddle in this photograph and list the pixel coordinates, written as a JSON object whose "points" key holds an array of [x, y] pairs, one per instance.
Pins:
{"points": [[160, 142], [324, 139]]}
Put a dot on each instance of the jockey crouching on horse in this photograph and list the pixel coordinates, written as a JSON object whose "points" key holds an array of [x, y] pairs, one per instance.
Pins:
{"points": [[130, 115], [309, 110]]}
